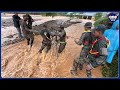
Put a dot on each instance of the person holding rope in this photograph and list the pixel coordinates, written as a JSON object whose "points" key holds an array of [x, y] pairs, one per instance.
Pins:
{"points": [[62, 38], [46, 39], [16, 22], [30, 21], [98, 54], [27, 34], [85, 40]]}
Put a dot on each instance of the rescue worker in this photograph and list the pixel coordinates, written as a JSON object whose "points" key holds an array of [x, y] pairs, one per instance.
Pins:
{"points": [[27, 34], [98, 53], [46, 39], [16, 22], [30, 21], [84, 40], [62, 38]]}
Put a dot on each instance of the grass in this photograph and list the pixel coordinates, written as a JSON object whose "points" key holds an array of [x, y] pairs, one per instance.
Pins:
{"points": [[111, 70]]}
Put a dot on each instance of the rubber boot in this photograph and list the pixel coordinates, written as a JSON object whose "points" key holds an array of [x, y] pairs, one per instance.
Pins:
{"points": [[29, 47], [73, 71], [88, 73], [80, 66]]}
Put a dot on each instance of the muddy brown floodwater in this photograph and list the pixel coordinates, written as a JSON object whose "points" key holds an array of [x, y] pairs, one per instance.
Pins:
{"points": [[18, 62]]}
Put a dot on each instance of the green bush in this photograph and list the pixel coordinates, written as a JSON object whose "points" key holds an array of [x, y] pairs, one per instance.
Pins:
{"points": [[100, 21], [111, 70], [104, 21], [51, 14], [97, 16], [43, 14]]}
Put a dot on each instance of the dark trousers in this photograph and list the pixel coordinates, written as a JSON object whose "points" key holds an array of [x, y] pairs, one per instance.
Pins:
{"points": [[83, 55], [47, 45], [19, 32], [30, 39], [61, 47], [96, 60], [30, 25]]}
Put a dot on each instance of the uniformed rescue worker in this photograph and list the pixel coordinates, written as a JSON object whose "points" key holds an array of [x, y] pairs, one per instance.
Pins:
{"points": [[62, 38], [85, 40], [27, 34], [98, 53], [46, 39]]}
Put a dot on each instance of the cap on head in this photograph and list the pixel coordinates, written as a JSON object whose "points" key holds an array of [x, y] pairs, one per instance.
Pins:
{"points": [[101, 28], [88, 24]]}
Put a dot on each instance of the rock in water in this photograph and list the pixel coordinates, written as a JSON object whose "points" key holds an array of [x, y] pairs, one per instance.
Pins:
{"points": [[10, 36]]}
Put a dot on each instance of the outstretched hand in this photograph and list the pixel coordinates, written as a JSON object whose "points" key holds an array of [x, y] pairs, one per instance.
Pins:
{"points": [[76, 41]]}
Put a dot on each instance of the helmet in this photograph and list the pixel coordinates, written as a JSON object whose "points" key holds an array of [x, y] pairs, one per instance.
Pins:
{"points": [[101, 28], [88, 24]]}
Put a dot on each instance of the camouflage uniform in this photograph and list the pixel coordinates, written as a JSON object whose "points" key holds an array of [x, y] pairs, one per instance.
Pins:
{"points": [[85, 40], [46, 40], [97, 55], [27, 34], [62, 34], [30, 21], [96, 59]]}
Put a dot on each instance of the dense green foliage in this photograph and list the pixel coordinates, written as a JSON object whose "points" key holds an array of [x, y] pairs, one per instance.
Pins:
{"points": [[98, 16], [111, 70]]}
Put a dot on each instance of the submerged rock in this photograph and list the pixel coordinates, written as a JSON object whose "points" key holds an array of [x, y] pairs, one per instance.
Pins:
{"points": [[10, 36]]}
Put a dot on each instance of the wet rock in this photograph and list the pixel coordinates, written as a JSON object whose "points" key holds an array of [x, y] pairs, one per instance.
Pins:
{"points": [[10, 36], [7, 22]]}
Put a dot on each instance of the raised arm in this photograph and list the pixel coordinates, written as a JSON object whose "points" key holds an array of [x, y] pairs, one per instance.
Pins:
{"points": [[80, 42]]}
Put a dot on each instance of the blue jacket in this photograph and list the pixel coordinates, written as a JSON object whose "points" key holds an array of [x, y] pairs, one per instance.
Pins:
{"points": [[113, 36]]}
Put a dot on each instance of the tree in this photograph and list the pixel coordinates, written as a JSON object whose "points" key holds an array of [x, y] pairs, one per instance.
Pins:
{"points": [[105, 21], [98, 15], [51, 14]]}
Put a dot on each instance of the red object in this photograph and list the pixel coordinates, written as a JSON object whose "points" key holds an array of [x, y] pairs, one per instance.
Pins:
{"points": [[96, 41], [93, 43], [97, 54], [86, 43]]}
